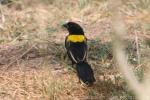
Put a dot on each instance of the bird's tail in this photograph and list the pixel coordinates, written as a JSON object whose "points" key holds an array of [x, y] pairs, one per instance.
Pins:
{"points": [[85, 73]]}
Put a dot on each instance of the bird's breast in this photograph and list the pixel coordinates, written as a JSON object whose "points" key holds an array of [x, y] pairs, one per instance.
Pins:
{"points": [[76, 38]]}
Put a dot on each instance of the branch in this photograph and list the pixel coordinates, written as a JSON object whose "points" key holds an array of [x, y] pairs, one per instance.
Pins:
{"points": [[119, 53]]}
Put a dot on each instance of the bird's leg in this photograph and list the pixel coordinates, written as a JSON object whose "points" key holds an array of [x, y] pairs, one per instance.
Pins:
{"points": [[65, 55], [72, 65], [79, 81]]}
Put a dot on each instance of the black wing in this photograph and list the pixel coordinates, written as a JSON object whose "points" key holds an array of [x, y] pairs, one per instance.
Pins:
{"points": [[77, 51]]}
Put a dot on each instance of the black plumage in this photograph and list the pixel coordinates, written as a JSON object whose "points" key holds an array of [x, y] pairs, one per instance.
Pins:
{"points": [[77, 52]]}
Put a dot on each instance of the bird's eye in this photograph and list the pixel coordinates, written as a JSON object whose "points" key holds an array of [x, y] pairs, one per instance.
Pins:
{"points": [[70, 25]]}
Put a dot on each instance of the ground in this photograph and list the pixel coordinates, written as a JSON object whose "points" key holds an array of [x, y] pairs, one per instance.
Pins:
{"points": [[32, 64]]}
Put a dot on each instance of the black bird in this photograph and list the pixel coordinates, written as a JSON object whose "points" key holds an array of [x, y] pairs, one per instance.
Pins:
{"points": [[76, 46]]}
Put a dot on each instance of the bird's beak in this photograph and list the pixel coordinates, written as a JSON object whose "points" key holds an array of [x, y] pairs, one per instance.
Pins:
{"points": [[65, 26]]}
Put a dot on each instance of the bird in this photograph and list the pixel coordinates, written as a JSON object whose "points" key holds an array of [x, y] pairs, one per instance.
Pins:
{"points": [[76, 48]]}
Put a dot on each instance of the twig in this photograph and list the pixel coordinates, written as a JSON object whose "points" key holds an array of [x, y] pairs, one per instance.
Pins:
{"points": [[7, 67], [137, 48], [141, 89], [145, 36], [2, 17], [118, 47]]}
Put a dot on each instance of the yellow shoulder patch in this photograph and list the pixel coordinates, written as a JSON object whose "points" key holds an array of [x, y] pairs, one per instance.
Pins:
{"points": [[76, 38]]}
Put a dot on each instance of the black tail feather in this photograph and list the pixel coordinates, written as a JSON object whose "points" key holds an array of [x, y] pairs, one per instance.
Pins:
{"points": [[85, 73]]}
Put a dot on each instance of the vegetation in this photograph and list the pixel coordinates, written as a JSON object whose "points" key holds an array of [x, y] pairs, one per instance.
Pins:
{"points": [[32, 49]]}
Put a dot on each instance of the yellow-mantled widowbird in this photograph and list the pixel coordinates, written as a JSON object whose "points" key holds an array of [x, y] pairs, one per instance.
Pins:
{"points": [[76, 46]]}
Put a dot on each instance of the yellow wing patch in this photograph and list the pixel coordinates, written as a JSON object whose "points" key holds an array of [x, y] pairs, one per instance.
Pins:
{"points": [[76, 38]]}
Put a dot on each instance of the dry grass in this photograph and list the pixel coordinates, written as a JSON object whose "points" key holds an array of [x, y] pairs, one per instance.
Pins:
{"points": [[42, 74]]}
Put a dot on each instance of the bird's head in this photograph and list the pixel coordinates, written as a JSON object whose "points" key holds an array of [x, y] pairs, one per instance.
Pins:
{"points": [[73, 28]]}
